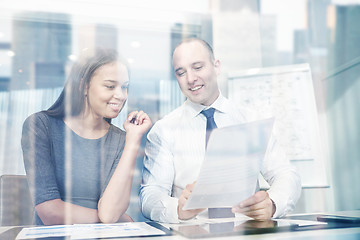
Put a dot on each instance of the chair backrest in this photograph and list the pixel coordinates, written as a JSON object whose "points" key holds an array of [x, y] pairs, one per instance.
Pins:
{"points": [[16, 207]]}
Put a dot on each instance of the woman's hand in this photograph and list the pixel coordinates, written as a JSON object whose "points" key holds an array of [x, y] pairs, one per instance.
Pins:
{"points": [[137, 124]]}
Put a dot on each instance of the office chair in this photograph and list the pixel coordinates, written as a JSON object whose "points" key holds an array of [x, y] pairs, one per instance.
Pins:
{"points": [[16, 207]]}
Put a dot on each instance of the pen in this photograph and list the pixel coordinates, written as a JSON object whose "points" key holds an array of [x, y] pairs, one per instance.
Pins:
{"points": [[133, 120]]}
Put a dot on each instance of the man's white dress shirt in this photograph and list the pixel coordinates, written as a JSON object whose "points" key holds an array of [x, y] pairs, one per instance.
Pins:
{"points": [[175, 150]]}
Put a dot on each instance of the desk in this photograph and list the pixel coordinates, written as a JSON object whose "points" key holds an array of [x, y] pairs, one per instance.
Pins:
{"points": [[344, 233]]}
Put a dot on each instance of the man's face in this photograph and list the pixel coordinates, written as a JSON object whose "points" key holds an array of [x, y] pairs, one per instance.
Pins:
{"points": [[196, 73]]}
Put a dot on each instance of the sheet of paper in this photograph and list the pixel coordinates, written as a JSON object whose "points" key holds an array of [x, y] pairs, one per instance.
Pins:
{"points": [[48, 231], [232, 164], [87, 231], [130, 229]]}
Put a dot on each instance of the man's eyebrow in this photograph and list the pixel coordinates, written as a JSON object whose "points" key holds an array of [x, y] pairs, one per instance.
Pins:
{"points": [[180, 68], [199, 62]]}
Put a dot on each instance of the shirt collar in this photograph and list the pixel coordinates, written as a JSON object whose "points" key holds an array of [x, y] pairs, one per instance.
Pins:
{"points": [[220, 104]]}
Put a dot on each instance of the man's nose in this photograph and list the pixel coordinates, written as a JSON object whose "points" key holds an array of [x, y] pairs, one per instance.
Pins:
{"points": [[191, 77]]}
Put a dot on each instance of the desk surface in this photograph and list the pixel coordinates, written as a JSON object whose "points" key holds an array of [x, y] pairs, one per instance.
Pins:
{"points": [[343, 233]]}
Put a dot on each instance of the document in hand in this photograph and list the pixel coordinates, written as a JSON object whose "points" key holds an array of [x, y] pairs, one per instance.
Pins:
{"points": [[231, 166]]}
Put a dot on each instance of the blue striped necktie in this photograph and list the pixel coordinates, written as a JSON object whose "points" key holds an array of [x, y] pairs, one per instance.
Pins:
{"points": [[210, 125], [210, 122]]}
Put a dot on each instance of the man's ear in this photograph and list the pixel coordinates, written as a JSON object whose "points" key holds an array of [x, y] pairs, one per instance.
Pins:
{"points": [[217, 65]]}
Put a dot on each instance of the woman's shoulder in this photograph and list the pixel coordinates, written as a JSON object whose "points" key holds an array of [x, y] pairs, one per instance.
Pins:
{"points": [[116, 130], [39, 117], [40, 121], [36, 118], [115, 137]]}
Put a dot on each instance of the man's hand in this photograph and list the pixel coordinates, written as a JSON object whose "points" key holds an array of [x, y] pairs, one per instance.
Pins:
{"points": [[186, 214], [259, 206]]}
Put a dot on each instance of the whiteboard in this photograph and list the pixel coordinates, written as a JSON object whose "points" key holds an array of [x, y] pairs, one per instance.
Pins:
{"points": [[286, 93]]}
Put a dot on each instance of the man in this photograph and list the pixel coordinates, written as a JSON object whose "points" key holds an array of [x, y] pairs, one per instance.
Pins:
{"points": [[176, 146]]}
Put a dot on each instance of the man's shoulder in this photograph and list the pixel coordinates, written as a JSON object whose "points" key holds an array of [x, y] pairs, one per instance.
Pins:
{"points": [[169, 124], [241, 111], [172, 117]]}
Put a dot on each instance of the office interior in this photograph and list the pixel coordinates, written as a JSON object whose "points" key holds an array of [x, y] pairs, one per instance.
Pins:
{"points": [[40, 40]]}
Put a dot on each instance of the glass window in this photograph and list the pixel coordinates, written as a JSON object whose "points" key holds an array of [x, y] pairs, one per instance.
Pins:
{"points": [[40, 42]]}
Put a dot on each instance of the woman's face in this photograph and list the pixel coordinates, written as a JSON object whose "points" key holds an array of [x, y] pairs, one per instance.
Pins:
{"points": [[107, 91]]}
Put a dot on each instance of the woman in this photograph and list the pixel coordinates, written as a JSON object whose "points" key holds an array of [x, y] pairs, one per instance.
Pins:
{"points": [[80, 166]]}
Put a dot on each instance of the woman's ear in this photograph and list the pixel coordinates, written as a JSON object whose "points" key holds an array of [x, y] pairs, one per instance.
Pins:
{"points": [[86, 87]]}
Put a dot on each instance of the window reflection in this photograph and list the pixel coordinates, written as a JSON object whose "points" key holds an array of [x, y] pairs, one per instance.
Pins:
{"points": [[38, 48]]}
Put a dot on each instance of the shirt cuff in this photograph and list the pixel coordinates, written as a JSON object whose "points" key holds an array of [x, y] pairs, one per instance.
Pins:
{"points": [[279, 204], [170, 214]]}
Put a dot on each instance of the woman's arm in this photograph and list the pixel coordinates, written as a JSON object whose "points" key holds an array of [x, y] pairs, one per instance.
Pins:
{"points": [[57, 211], [115, 200]]}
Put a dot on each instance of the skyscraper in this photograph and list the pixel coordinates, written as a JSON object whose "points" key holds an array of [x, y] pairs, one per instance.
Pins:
{"points": [[41, 43]]}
